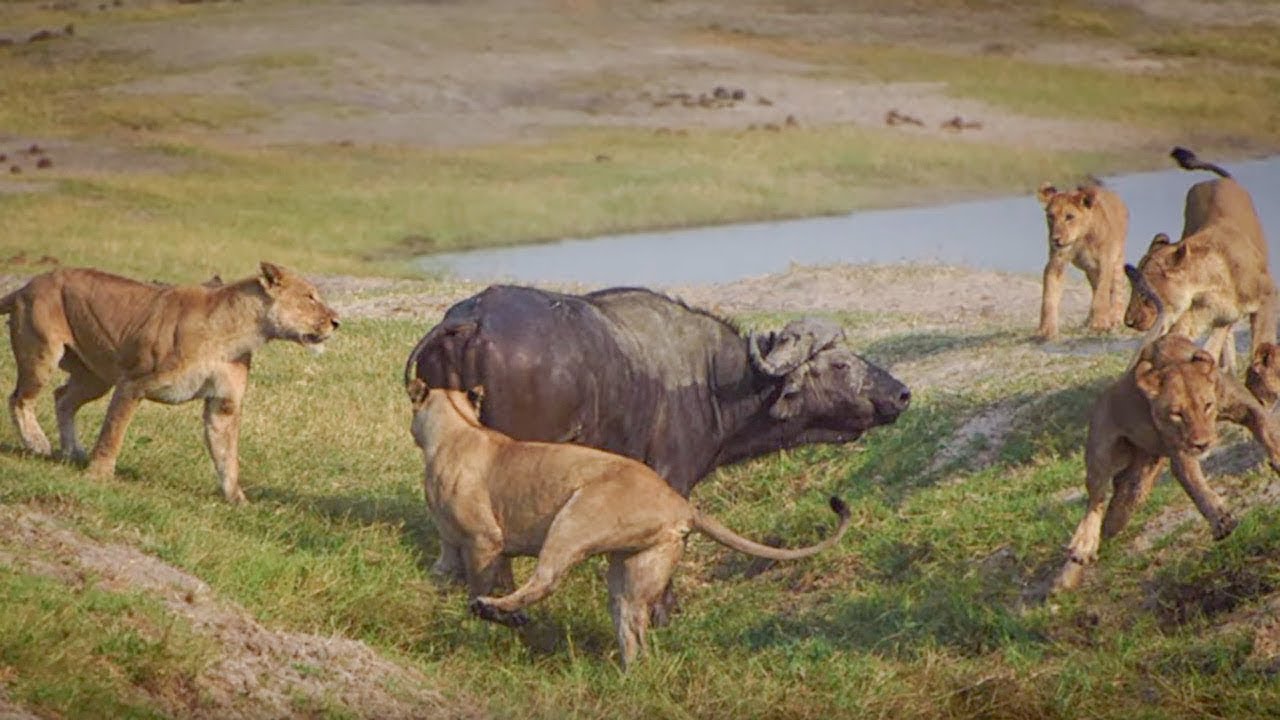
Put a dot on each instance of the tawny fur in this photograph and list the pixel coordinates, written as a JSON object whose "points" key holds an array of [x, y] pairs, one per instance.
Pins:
{"points": [[1166, 406], [1087, 228], [170, 344], [1263, 375], [494, 497], [1216, 275]]}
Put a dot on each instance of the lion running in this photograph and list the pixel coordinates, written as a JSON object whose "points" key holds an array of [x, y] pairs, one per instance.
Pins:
{"points": [[1087, 228], [170, 344], [1165, 406], [1215, 275], [493, 497]]}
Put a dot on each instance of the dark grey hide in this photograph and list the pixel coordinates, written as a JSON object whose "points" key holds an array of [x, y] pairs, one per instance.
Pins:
{"points": [[639, 374]]}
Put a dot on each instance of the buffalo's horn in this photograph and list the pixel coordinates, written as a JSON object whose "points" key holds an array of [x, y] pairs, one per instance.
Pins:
{"points": [[761, 362], [1140, 286]]}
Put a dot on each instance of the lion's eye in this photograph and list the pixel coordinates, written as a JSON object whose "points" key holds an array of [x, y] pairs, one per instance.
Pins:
{"points": [[1071, 216], [1208, 407], [1176, 418], [840, 365]]}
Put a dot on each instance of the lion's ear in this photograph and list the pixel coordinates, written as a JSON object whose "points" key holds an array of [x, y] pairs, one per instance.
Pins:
{"points": [[1089, 196], [272, 274], [1266, 355], [1179, 254], [1204, 362], [1159, 240], [1046, 192], [1147, 378], [417, 391]]}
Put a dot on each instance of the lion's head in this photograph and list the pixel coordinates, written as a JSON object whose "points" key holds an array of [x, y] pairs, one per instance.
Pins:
{"points": [[1164, 267], [1263, 376], [1183, 398], [1068, 213], [294, 310]]}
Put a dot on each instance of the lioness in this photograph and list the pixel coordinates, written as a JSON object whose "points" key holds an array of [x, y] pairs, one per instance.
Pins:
{"points": [[1216, 274], [170, 344], [1167, 405], [492, 496], [1087, 228]]}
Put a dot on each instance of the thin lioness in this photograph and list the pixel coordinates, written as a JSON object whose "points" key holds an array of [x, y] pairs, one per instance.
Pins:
{"points": [[494, 497], [1087, 228], [165, 343], [1167, 405], [1216, 274]]}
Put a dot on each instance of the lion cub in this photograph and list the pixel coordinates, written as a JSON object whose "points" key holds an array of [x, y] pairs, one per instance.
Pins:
{"points": [[1087, 228], [1215, 275], [1167, 405], [170, 344], [494, 497]]}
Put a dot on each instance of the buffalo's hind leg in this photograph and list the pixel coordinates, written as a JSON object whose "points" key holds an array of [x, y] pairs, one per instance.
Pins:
{"points": [[82, 387]]}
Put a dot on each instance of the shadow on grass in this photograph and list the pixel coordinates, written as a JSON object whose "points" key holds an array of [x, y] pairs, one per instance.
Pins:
{"points": [[897, 623], [914, 346], [407, 512]]}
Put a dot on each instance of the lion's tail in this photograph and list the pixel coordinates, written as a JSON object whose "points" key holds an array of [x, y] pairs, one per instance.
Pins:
{"points": [[712, 528], [1187, 160]]}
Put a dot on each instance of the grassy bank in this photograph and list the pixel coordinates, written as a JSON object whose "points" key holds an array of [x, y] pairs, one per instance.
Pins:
{"points": [[922, 612], [160, 183]]}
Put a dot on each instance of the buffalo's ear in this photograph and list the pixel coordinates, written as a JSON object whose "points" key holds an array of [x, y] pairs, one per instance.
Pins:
{"points": [[1148, 379], [1046, 193], [272, 275], [791, 400]]}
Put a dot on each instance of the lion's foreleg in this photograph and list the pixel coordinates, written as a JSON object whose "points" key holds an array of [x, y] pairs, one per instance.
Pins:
{"points": [[222, 437], [1050, 298], [1100, 314], [1187, 469], [1131, 490], [124, 403]]}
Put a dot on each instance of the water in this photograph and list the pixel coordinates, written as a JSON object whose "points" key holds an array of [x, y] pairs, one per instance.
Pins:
{"points": [[1001, 234]]}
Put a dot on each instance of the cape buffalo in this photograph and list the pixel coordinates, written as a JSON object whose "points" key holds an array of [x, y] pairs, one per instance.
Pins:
{"points": [[639, 374]]}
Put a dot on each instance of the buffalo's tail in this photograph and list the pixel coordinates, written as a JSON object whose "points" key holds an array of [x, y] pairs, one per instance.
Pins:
{"points": [[712, 528]]}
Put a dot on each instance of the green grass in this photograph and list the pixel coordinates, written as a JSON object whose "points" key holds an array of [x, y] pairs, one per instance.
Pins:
{"points": [[920, 613], [337, 209]]}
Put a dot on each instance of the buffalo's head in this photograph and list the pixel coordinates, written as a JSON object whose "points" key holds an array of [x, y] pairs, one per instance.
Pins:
{"points": [[823, 382]]}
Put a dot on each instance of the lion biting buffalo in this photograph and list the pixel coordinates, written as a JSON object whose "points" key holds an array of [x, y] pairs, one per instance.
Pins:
{"points": [[636, 373]]}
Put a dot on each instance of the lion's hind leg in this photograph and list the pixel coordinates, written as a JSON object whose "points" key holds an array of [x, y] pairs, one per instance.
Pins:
{"points": [[36, 356], [82, 386], [637, 581]]}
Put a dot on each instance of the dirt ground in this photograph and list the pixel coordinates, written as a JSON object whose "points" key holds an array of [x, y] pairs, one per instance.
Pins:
{"points": [[456, 73], [256, 672]]}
